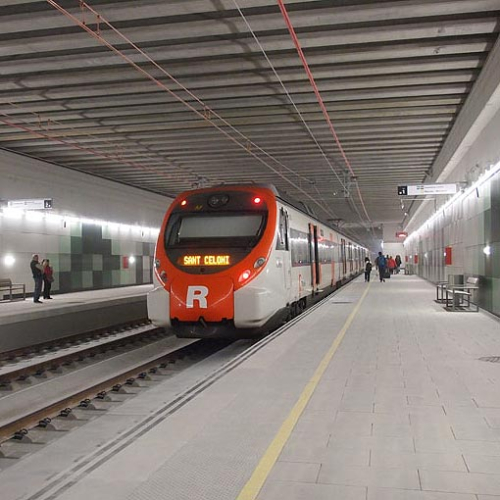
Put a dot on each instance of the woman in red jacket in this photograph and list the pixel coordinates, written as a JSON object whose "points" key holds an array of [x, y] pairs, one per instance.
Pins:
{"points": [[48, 278], [391, 264]]}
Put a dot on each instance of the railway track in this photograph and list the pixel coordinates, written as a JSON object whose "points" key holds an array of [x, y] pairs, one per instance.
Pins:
{"points": [[17, 371], [55, 390], [42, 385]]}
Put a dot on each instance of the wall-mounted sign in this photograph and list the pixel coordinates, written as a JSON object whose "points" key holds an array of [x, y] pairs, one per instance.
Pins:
{"points": [[31, 204], [401, 234], [425, 189]]}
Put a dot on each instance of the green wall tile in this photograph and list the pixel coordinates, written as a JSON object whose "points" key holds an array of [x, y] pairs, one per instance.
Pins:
{"points": [[64, 262], [97, 262], [87, 279], [116, 278], [115, 247], [64, 244], [76, 281]]}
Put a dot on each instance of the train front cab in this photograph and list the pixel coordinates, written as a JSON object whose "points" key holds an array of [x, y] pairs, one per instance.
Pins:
{"points": [[217, 270]]}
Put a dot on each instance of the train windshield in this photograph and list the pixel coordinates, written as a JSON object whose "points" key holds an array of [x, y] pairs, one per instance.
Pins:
{"points": [[213, 230]]}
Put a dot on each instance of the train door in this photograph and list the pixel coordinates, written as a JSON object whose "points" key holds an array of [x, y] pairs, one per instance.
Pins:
{"points": [[332, 255], [284, 244], [314, 256], [343, 258]]}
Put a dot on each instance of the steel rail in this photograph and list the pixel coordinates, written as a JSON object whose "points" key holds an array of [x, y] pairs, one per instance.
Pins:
{"points": [[26, 409], [77, 352]]}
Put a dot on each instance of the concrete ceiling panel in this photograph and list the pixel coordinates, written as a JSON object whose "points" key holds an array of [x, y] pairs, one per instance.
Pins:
{"points": [[394, 76]]}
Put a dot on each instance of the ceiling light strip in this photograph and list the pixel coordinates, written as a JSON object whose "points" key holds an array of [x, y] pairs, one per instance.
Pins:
{"points": [[460, 196]]}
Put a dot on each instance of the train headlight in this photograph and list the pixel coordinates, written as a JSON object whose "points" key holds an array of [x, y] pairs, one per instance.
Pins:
{"points": [[244, 276], [218, 200], [259, 262], [157, 263]]}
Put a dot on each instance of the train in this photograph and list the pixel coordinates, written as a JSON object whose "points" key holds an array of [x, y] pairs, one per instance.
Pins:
{"points": [[236, 261]]}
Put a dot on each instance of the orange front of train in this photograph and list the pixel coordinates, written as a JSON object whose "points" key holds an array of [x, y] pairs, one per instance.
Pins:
{"points": [[213, 244]]}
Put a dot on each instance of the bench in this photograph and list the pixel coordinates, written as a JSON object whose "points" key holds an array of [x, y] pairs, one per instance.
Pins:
{"points": [[461, 296], [7, 287]]}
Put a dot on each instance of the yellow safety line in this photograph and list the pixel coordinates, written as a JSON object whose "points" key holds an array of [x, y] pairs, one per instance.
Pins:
{"points": [[259, 476]]}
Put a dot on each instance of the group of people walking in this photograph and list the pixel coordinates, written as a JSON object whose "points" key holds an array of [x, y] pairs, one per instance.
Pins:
{"points": [[386, 266], [43, 274]]}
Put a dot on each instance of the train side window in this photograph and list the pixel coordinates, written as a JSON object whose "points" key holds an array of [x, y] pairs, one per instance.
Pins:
{"points": [[282, 240]]}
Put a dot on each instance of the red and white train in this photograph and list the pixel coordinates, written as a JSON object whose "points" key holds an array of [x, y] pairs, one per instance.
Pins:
{"points": [[238, 260]]}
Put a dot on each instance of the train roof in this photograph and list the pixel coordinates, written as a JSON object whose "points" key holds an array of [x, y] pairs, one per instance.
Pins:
{"points": [[289, 200]]}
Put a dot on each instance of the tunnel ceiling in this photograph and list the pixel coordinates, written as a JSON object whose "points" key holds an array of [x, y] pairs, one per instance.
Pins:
{"points": [[393, 77]]}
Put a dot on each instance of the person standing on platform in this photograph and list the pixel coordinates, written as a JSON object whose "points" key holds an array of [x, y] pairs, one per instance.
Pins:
{"points": [[391, 264], [368, 269], [398, 263], [381, 264], [37, 271], [48, 278]]}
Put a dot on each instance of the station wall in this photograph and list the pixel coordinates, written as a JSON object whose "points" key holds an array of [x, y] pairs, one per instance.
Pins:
{"points": [[100, 234], [466, 227]]}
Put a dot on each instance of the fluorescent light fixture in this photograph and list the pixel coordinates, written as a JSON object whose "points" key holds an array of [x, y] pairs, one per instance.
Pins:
{"points": [[12, 213], [486, 176], [34, 216], [487, 250], [54, 218], [9, 260]]}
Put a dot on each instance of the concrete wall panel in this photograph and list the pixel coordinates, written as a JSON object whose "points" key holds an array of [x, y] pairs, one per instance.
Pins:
{"points": [[85, 255]]}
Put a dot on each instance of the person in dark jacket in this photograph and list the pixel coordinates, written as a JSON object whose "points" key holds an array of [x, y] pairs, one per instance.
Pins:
{"points": [[381, 264], [37, 271], [398, 263], [368, 269]]}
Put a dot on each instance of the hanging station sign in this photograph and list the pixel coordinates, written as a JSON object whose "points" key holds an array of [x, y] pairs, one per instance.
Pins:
{"points": [[425, 189], [31, 204]]}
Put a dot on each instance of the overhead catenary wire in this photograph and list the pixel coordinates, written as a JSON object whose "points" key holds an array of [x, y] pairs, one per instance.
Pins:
{"points": [[303, 59], [7, 120], [290, 98], [75, 145], [206, 113], [283, 86]]}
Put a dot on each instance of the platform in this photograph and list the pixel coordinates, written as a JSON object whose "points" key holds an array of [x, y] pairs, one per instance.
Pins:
{"points": [[377, 394], [24, 323]]}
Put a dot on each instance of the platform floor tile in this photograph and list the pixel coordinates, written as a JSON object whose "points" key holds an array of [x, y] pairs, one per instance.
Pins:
{"points": [[291, 490], [405, 410]]}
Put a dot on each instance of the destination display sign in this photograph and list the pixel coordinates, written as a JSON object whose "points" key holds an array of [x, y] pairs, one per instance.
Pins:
{"points": [[425, 189], [31, 204], [205, 260]]}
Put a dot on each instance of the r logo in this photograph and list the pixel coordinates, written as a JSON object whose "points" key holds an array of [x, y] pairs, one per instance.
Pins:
{"points": [[198, 293]]}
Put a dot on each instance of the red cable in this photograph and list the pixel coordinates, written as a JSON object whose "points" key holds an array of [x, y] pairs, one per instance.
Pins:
{"points": [[318, 96], [248, 143], [50, 137]]}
